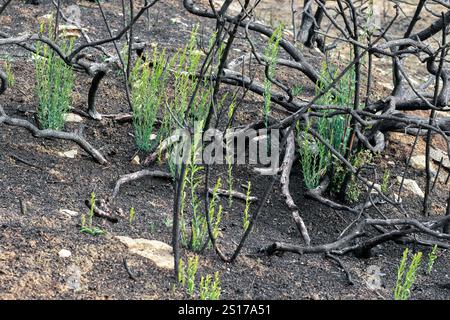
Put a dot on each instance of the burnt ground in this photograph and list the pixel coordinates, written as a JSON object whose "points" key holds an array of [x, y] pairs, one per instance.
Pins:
{"points": [[30, 267]]}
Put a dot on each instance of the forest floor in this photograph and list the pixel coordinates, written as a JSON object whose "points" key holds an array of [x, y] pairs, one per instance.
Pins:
{"points": [[33, 172]]}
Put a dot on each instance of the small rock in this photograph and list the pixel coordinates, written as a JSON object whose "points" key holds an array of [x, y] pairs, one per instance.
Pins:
{"points": [[63, 253], [418, 162], [72, 117], [68, 154], [74, 280], [160, 253], [136, 160], [411, 186], [69, 31], [400, 138], [68, 212], [56, 174], [314, 296], [177, 20], [437, 155]]}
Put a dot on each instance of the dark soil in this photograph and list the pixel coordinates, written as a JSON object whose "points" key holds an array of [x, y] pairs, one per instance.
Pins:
{"points": [[30, 267]]}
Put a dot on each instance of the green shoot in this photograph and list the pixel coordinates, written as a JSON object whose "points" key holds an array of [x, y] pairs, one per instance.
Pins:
{"points": [[229, 155], [151, 227], [198, 225], [297, 90], [246, 220], [91, 209], [209, 289], [214, 217], [385, 182], [9, 73], [432, 256], [354, 190], [168, 221], [405, 279], [131, 216], [271, 54], [87, 227], [191, 273], [314, 157]]}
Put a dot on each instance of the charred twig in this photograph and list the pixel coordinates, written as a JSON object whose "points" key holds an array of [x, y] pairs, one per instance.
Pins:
{"points": [[127, 268], [101, 213], [28, 163], [53, 134], [284, 180], [23, 206], [138, 175], [233, 193], [339, 262]]}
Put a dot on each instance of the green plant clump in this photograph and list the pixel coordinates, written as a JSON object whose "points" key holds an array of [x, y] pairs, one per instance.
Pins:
{"points": [[316, 159], [54, 83], [208, 288], [354, 187], [148, 87]]}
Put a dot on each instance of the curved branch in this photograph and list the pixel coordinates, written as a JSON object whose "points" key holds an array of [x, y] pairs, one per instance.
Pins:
{"points": [[138, 175], [284, 180], [53, 134]]}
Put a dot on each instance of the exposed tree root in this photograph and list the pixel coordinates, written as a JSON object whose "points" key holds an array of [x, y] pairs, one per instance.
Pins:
{"points": [[344, 244], [234, 194], [317, 195], [338, 261], [284, 180], [138, 175], [53, 134], [105, 214]]}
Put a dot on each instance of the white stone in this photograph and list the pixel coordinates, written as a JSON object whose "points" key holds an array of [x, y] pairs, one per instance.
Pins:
{"points": [[418, 162], [64, 253], [160, 253], [68, 212], [412, 186], [68, 154], [69, 31], [72, 117], [437, 155], [136, 160]]}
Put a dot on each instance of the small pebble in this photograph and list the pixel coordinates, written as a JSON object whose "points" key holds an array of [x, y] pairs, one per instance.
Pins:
{"points": [[63, 253]]}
